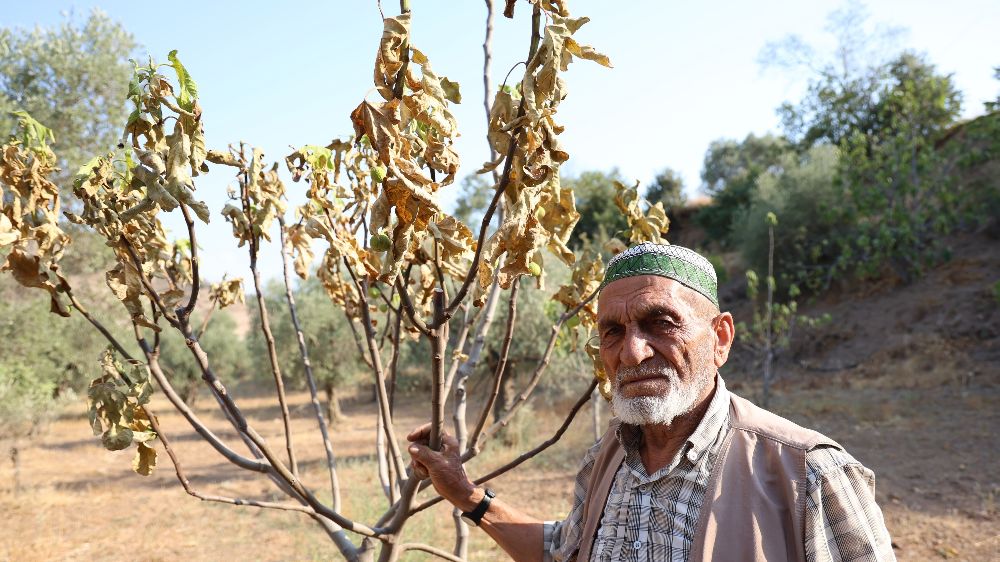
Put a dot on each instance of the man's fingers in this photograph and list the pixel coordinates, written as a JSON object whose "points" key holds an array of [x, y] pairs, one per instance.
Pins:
{"points": [[422, 454], [420, 433], [449, 442], [420, 470]]}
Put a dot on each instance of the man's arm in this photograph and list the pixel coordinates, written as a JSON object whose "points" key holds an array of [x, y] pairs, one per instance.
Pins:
{"points": [[843, 522], [519, 534]]}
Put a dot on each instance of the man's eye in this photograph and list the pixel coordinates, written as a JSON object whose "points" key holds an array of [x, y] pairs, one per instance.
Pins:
{"points": [[611, 331]]}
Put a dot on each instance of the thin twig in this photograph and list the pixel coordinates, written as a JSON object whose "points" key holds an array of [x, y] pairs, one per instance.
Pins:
{"points": [[331, 459], [407, 305], [394, 359], [182, 477], [430, 550], [501, 188], [357, 339], [460, 348], [97, 325], [539, 369], [204, 321], [501, 367], [195, 274], [584, 398], [376, 362], [146, 283], [265, 326]]}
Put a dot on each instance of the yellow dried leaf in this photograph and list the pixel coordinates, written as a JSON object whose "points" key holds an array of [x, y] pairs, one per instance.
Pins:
{"points": [[587, 52], [144, 461], [227, 292]]}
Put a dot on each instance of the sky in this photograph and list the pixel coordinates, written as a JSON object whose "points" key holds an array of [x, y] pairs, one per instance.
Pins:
{"points": [[284, 74]]}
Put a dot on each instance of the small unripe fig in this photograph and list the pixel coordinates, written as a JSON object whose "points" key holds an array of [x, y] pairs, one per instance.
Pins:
{"points": [[381, 243]]}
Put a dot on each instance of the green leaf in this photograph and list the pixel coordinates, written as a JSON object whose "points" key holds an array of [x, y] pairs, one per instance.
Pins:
{"points": [[34, 135], [116, 438], [189, 90]]}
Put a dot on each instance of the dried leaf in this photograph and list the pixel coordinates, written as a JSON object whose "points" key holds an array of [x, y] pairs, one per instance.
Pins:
{"points": [[145, 460], [227, 292], [643, 227], [587, 52]]}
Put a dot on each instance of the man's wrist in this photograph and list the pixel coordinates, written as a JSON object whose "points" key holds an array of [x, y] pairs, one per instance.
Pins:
{"points": [[471, 499]]}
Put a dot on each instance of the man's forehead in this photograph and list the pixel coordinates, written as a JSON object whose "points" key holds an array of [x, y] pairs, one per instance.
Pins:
{"points": [[642, 293]]}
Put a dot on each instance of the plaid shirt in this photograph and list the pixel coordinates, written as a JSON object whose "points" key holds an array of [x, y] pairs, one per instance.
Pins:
{"points": [[653, 517]]}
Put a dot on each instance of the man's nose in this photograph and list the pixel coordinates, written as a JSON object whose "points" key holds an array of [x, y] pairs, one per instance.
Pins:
{"points": [[635, 349]]}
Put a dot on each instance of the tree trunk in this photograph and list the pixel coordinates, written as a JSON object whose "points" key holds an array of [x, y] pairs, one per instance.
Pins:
{"points": [[15, 460], [768, 360], [507, 391], [190, 392], [333, 411]]}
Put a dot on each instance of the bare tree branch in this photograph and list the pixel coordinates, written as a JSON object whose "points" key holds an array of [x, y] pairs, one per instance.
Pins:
{"points": [[265, 326], [335, 532], [182, 477], [376, 361], [439, 342], [430, 550], [539, 369], [501, 366], [536, 20], [286, 475], [331, 459], [153, 363], [584, 398], [195, 272]]}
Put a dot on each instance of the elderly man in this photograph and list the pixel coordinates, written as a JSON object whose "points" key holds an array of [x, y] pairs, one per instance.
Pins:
{"points": [[688, 470]]}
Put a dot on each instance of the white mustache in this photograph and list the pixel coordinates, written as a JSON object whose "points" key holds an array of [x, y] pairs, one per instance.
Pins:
{"points": [[645, 370]]}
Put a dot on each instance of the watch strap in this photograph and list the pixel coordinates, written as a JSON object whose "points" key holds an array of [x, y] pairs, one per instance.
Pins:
{"points": [[476, 515]]}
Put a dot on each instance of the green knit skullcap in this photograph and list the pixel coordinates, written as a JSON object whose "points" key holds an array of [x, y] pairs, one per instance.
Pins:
{"points": [[674, 262]]}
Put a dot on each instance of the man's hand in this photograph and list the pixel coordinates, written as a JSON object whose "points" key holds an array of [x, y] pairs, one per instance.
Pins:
{"points": [[444, 468], [520, 535]]}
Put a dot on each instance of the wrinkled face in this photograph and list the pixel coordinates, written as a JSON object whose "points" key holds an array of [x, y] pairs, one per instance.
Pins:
{"points": [[661, 343]]}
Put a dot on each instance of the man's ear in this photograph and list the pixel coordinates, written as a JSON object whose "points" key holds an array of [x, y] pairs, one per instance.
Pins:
{"points": [[725, 333]]}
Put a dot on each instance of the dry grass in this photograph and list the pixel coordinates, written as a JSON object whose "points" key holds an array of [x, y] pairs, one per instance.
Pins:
{"points": [[81, 502], [933, 447]]}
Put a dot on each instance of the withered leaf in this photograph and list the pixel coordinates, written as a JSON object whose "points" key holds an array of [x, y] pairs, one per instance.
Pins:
{"points": [[145, 460]]}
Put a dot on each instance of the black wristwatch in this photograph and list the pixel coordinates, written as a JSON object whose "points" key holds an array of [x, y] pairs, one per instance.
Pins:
{"points": [[473, 517]]}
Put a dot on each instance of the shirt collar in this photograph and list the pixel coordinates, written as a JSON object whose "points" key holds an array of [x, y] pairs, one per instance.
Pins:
{"points": [[704, 435]]}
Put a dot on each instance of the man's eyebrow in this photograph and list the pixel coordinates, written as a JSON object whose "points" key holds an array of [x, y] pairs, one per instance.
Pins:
{"points": [[643, 312], [655, 310], [607, 323]]}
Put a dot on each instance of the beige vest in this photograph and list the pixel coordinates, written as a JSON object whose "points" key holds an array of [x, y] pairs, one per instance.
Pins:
{"points": [[754, 507]]}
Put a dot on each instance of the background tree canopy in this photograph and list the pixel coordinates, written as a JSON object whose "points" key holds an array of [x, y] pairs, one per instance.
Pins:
{"points": [[73, 79]]}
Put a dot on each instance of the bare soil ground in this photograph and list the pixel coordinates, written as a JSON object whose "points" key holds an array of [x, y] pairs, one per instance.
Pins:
{"points": [[907, 378]]}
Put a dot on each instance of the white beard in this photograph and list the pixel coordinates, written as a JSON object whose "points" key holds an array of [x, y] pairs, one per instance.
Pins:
{"points": [[679, 399]]}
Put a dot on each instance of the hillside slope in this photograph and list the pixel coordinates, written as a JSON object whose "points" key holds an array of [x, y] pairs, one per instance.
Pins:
{"points": [[908, 379]]}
